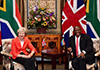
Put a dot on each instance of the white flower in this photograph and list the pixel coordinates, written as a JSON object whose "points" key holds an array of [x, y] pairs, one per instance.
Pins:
{"points": [[35, 18]]}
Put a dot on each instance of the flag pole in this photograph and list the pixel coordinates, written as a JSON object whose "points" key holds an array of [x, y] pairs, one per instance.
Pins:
{"points": [[27, 10]]}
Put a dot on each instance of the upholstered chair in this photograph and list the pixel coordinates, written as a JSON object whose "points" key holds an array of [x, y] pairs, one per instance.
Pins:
{"points": [[6, 48], [96, 46]]}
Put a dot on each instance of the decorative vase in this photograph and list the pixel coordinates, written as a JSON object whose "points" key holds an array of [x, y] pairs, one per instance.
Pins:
{"points": [[41, 30]]}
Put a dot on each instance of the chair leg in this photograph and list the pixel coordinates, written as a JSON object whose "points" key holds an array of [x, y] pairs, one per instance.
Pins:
{"points": [[12, 66], [36, 65]]}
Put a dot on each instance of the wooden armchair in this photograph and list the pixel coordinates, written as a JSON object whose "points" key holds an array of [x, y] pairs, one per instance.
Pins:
{"points": [[96, 45], [7, 63]]}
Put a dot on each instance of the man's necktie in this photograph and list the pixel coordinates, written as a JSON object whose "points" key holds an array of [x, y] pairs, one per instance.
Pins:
{"points": [[77, 46]]}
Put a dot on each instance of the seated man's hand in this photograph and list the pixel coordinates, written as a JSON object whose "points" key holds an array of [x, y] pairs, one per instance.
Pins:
{"points": [[82, 55]]}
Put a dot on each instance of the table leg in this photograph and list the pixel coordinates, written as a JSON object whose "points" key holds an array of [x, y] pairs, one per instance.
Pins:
{"points": [[42, 61], [66, 62], [60, 60], [53, 62]]}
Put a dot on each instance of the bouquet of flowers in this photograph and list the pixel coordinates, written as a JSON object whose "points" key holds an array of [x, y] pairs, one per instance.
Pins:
{"points": [[41, 17]]}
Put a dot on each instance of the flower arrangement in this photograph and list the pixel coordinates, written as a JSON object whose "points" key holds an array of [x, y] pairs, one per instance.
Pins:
{"points": [[41, 17]]}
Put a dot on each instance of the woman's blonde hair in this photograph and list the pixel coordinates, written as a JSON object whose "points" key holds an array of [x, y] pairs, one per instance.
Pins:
{"points": [[21, 29]]}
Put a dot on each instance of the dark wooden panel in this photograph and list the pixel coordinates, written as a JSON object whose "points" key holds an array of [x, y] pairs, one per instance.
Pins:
{"points": [[52, 41]]}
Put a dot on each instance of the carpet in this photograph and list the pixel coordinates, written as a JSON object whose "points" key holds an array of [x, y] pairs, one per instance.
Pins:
{"points": [[48, 66], [1, 67]]}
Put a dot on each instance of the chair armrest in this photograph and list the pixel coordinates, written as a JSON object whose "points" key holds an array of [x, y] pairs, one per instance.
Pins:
{"points": [[7, 54], [97, 54]]}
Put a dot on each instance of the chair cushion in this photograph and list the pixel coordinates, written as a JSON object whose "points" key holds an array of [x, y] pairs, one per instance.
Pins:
{"points": [[7, 47], [96, 44], [17, 66], [89, 66], [6, 61]]}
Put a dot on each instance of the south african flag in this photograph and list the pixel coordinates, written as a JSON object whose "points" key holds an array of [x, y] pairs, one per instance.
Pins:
{"points": [[10, 19], [93, 18]]}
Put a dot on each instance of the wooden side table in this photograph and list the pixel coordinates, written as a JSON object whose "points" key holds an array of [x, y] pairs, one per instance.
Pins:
{"points": [[53, 53]]}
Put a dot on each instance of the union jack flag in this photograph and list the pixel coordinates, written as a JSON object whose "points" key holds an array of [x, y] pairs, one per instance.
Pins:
{"points": [[74, 14], [43, 42]]}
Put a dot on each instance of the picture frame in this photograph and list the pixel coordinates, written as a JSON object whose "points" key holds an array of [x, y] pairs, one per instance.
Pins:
{"points": [[52, 7]]}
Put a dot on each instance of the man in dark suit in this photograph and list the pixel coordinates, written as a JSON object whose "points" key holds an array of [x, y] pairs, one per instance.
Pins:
{"points": [[81, 47]]}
